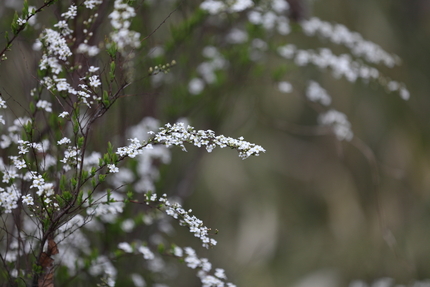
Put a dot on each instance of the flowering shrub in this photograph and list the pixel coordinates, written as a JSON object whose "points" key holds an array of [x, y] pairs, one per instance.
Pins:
{"points": [[63, 193]]}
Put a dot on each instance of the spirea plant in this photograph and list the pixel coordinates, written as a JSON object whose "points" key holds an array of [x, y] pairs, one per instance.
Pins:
{"points": [[61, 193]]}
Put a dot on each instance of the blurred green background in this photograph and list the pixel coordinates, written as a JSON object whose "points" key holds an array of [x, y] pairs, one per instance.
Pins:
{"points": [[311, 211]]}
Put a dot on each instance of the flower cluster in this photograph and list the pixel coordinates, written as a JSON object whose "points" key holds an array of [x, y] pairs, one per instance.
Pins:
{"points": [[9, 198], [71, 155], [176, 211], [120, 21], [133, 149], [340, 34], [215, 62], [208, 280], [271, 15], [2, 106], [178, 134], [339, 122], [341, 66], [217, 6], [316, 93], [43, 188], [147, 171]]}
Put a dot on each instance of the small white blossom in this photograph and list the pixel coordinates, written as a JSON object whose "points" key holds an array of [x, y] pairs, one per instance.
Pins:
{"points": [[125, 247], [21, 21], [127, 225], [44, 105], [94, 81], [196, 86], [147, 253], [63, 114], [71, 13], [93, 69], [339, 122], [316, 93], [177, 251], [64, 141], [27, 199], [112, 168], [2, 103], [220, 273], [285, 87], [91, 4]]}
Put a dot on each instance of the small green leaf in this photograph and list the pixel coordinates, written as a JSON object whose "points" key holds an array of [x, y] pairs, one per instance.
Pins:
{"points": [[25, 10], [32, 107], [161, 248], [80, 197], [74, 182], [15, 25], [81, 141], [112, 70], [102, 177]]}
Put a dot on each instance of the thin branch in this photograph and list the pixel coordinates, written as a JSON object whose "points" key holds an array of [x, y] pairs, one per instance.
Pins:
{"points": [[22, 27]]}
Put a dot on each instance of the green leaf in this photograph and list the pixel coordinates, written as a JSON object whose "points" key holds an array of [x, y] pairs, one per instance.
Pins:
{"points": [[74, 182], [84, 174], [15, 25], [67, 196], [112, 70], [32, 107], [161, 248], [112, 50], [102, 177], [81, 141], [110, 148], [106, 100], [25, 10], [80, 197], [63, 182]]}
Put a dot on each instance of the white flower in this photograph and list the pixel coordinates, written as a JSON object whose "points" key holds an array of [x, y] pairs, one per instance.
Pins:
{"points": [[93, 69], [64, 141], [339, 122], [71, 13], [90, 4], [147, 253], [2, 103], [45, 105], [241, 5], [112, 168], [237, 36], [220, 273], [127, 225], [125, 247], [285, 87], [316, 93], [196, 86], [177, 251], [213, 6], [94, 81], [63, 114], [21, 21]]}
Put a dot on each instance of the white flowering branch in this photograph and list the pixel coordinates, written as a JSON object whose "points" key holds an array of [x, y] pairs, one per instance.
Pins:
{"points": [[178, 134]]}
